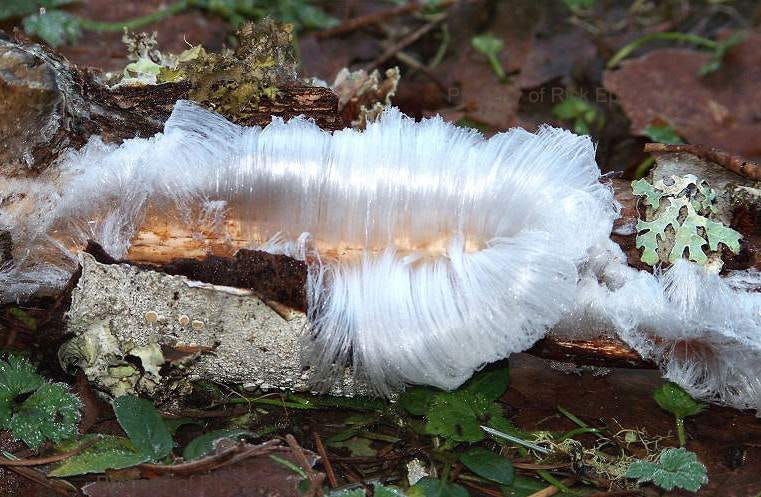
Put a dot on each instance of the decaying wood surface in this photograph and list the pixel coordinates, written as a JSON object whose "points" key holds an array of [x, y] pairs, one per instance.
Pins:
{"points": [[48, 105], [739, 165]]}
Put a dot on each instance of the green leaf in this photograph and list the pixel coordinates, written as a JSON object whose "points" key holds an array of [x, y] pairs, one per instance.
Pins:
{"points": [[490, 46], [491, 383], [19, 8], [678, 468], [204, 444], [17, 377], [459, 415], [174, 424], [144, 426], [489, 465], [357, 446], [523, 487], [672, 398], [50, 413], [575, 5], [56, 27], [417, 400], [387, 491], [571, 108], [353, 492], [109, 452], [583, 114], [428, 487], [24, 317], [662, 134]]}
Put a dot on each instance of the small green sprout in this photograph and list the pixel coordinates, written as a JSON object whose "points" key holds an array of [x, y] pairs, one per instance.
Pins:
{"points": [[658, 133], [672, 398], [662, 133], [676, 468], [491, 46], [583, 114], [718, 49]]}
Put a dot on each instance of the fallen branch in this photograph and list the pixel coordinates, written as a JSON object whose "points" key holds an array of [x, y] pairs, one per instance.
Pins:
{"points": [[325, 460], [738, 165], [403, 43], [315, 478], [225, 457]]}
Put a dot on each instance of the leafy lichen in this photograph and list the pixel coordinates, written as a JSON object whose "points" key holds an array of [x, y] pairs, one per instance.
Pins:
{"points": [[684, 225], [231, 82]]}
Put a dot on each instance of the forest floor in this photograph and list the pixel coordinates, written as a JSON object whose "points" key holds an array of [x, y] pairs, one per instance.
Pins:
{"points": [[556, 60]]}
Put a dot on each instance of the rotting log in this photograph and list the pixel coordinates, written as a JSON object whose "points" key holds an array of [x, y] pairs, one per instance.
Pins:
{"points": [[47, 106]]}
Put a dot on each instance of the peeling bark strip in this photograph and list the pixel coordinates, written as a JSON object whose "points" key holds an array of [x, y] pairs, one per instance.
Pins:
{"points": [[743, 167], [271, 276]]}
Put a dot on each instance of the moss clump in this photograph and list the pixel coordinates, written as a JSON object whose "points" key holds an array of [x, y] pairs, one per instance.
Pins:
{"points": [[233, 82]]}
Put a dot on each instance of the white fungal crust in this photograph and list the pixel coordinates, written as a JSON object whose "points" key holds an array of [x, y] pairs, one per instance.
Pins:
{"points": [[432, 250]]}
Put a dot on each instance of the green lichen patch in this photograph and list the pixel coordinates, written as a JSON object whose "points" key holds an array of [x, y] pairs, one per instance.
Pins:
{"points": [[682, 223], [231, 82]]}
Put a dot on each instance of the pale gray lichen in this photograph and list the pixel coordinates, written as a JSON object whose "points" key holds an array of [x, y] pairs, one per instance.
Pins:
{"points": [[682, 220]]}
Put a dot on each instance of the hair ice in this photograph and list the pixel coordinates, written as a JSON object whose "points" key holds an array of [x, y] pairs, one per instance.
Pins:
{"points": [[435, 250]]}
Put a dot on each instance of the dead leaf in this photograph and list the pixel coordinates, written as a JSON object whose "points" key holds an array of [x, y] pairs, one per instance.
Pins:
{"points": [[722, 110]]}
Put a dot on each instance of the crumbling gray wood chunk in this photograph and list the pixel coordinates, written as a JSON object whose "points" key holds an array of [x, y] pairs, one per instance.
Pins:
{"points": [[128, 323]]}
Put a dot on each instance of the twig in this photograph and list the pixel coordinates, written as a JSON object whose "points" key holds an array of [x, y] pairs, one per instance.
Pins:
{"points": [[369, 20], [552, 489], [228, 456], [49, 459], [325, 460], [403, 43], [61, 487], [315, 479], [413, 63], [734, 163]]}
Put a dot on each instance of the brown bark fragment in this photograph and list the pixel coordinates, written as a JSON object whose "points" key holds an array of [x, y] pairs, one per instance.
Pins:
{"points": [[736, 164], [48, 105]]}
